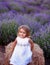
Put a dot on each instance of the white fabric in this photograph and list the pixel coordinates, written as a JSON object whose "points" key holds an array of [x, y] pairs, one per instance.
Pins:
{"points": [[22, 54]]}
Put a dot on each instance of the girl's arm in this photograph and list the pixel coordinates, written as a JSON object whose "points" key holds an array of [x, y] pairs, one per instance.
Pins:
{"points": [[14, 43], [31, 44]]}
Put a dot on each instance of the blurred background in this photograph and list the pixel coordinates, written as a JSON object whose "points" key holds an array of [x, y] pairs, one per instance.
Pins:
{"points": [[34, 13]]}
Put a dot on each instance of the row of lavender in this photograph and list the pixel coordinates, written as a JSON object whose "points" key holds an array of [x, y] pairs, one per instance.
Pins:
{"points": [[25, 6], [39, 24]]}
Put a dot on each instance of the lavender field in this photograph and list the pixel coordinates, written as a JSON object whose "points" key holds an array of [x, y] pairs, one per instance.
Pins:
{"points": [[34, 13]]}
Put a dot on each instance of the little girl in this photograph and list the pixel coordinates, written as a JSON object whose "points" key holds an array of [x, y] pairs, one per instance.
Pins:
{"points": [[22, 54]]}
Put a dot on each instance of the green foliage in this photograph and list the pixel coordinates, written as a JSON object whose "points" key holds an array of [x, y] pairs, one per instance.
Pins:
{"points": [[15, 6], [35, 2], [2, 10], [8, 32]]}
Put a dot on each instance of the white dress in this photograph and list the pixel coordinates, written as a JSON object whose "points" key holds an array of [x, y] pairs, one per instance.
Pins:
{"points": [[22, 53]]}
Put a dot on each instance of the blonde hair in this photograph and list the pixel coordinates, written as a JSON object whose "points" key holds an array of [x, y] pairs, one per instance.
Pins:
{"points": [[26, 28]]}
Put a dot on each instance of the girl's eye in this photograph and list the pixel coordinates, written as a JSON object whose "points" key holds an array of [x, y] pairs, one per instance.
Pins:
{"points": [[20, 31], [24, 32]]}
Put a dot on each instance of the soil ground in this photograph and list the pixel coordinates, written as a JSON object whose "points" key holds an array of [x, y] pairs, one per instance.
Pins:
{"points": [[47, 61]]}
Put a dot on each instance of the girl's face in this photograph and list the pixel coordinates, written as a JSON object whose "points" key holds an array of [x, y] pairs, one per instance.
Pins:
{"points": [[22, 33]]}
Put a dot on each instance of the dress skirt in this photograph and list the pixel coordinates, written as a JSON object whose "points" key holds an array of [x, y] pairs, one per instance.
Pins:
{"points": [[22, 55]]}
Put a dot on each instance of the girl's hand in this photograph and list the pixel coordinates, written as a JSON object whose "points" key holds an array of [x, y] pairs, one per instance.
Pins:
{"points": [[32, 44]]}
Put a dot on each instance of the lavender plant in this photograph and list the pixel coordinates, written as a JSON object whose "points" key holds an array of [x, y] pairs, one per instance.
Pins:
{"points": [[42, 37], [42, 18]]}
